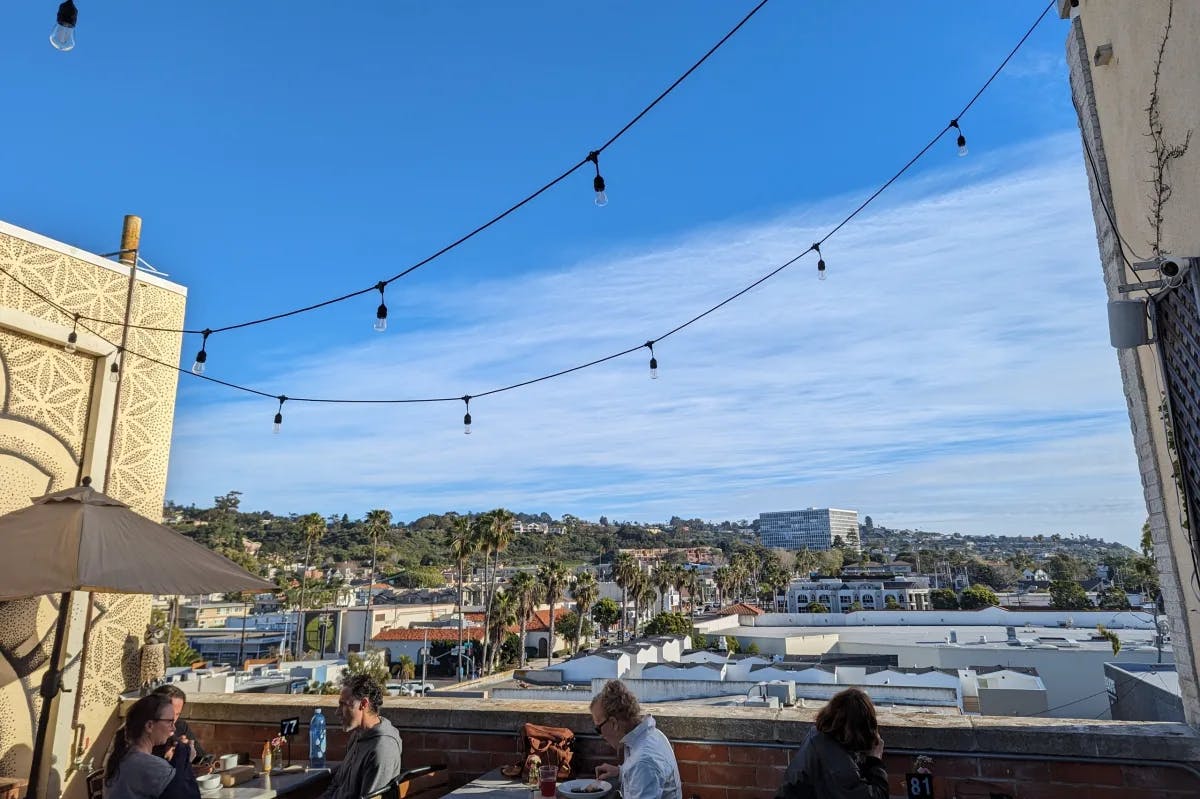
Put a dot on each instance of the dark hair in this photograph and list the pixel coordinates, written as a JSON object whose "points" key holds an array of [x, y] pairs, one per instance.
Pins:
{"points": [[171, 690], [364, 686], [144, 711], [849, 719]]}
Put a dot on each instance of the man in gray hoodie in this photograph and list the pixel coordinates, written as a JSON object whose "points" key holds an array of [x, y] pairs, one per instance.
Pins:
{"points": [[373, 755]]}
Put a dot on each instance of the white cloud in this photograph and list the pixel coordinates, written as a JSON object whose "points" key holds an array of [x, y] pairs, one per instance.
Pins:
{"points": [[952, 373]]}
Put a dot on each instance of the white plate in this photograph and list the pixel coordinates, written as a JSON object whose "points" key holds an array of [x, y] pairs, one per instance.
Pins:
{"points": [[571, 789]]}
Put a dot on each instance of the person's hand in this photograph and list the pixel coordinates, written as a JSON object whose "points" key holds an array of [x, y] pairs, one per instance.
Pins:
{"points": [[876, 750], [607, 771]]}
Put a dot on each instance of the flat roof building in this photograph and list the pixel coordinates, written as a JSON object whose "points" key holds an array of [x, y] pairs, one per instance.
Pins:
{"points": [[814, 528]]}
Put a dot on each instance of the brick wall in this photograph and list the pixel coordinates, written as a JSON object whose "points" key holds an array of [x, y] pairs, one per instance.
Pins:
{"points": [[731, 752]]}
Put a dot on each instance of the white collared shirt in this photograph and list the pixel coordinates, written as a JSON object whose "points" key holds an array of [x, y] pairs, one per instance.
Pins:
{"points": [[649, 770]]}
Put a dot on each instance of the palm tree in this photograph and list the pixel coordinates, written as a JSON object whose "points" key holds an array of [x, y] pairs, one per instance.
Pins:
{"points": [[679, 581], [528, 592], [662, 580], [723, 577], [504, 614], [585, 591], [462, 546], [481, 535], [692, 583], [553, 576], [643, 596], [625, 570], [312, 525], [378, 523]]}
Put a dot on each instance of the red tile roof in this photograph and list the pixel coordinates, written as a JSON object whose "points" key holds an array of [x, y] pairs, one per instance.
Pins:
{"points": [[539, 622], [740, 609]]}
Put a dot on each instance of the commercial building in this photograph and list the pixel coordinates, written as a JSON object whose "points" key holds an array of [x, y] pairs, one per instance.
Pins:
{"points": [[814, 528], [844, 594]]}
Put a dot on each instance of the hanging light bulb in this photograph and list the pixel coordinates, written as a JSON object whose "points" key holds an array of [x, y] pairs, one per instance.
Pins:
{"points": [[598, 181], [63, 35], [114, 371], [381, 311], [279, 415], [72, 337], [467, 416], [961, 141], [653, 361], [820, 262], [202, 355]]}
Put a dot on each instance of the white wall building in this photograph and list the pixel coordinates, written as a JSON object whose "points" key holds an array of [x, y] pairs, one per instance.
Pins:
{"points": [[839, 595]]}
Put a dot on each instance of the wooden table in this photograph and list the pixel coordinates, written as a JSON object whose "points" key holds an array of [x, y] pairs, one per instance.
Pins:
{"points": [[270, 786], [493, 785]]}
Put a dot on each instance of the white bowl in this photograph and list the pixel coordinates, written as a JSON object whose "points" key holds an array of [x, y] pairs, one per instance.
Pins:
{"points": [[572, 789], [209, 782]]}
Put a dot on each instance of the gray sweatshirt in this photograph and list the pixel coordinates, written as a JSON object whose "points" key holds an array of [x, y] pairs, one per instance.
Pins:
{"points": [[372, 761], [140, 776]]}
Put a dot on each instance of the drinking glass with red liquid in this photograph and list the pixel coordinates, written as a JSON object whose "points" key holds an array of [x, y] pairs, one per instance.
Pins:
{"points": [[548, 780]]}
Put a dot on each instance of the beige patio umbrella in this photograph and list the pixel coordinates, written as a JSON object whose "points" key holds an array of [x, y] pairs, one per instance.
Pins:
{"points": [[82, 540]]}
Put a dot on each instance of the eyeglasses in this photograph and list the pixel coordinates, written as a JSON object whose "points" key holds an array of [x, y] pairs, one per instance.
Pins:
{"points": [[172, 719], [600, 726]]}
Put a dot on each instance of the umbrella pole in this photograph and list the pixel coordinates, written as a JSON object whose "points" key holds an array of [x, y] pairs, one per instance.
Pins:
{"points": [[51, 685]]}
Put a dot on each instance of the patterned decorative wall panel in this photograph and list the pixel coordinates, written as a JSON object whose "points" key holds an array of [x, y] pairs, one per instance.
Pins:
{"points": [[45, 414]]}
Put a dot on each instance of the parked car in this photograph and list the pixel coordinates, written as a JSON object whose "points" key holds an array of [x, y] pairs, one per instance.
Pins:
{"points": [[415, 688]]}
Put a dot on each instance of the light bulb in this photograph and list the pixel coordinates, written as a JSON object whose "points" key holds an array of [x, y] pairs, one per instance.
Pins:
{"points": [[654, 368], [381, 321], [467, 424], [821, 269], [601, 195], [63, 35], [278, 423], [72, 338], [962, 145], [114, 373], [198, 366]]}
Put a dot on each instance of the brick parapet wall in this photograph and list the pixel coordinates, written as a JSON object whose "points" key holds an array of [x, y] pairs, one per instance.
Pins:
{"points": [[727, 752]]}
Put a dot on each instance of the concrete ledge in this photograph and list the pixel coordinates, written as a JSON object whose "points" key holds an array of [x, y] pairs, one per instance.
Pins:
{"points": [[915, 731]]}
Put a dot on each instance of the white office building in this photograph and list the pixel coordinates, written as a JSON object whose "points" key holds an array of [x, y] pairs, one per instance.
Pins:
{"points": [[843, 595], [815, 528]]}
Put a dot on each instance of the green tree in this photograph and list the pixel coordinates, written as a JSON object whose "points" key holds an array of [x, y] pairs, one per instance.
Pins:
{"points": [[856, 605], [372, 663], [406, 668], [313, 527], [462, 547], [1063, 567], [817, 607], [943, 599], [669, 624], [890, 603], [528, 593], [978, 596], [732, 645], [606, 613], [625, 572], [1069, 595], [1113, 598], [179, 653], [584, 590], [1111, 637], [753, 648], [576, 629], [553, 576]]}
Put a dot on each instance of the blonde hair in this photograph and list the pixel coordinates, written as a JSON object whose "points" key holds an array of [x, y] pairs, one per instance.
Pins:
{"points": [[618, 703]]}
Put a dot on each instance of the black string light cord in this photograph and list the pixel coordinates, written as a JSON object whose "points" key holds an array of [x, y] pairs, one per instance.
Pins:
{"points": [[590, 158], [815, 247]]}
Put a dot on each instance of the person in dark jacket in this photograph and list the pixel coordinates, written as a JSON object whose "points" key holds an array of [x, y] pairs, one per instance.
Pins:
{"points": [[842, 757]]}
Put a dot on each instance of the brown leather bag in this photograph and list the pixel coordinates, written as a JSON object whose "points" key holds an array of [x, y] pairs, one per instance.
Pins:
{"points": [[551, 745]]}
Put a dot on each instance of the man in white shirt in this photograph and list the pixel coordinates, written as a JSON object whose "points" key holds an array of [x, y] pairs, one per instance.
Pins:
{"points": [[648, 769]]}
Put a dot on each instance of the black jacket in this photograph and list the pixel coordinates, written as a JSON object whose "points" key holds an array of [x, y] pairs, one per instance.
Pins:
{"points": [[823, 769]]}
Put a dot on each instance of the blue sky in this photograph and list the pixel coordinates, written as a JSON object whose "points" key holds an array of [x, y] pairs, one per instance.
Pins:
{"points": [[953, 373]]}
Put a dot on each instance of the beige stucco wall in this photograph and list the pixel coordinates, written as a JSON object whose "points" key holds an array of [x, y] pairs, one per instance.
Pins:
{"points": [[56, 426], [1112, 101]]}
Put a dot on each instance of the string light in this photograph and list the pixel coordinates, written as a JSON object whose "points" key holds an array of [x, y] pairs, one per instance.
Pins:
{"points": [[598, 181], [114, 371], [381, 311], [961, 141], [114, 368], [279, 414], [73, 336], [63, 35], [820, 261], [202, 355], [653, 361]]}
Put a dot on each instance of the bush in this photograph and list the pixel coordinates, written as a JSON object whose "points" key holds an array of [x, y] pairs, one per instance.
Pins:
{"points": [[943, 599], [978, 596], [669, 624], [753, 648]]}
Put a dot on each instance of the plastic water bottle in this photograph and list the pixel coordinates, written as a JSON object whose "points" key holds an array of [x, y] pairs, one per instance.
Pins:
{"points": [[316, 740]]}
